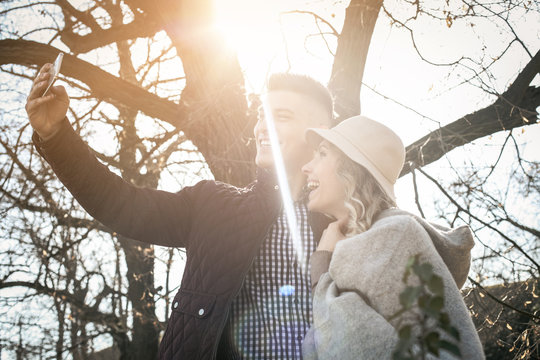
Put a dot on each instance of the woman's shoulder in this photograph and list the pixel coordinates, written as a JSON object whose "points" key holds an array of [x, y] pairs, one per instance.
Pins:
{"points": [[395, 221], [391, 231]]}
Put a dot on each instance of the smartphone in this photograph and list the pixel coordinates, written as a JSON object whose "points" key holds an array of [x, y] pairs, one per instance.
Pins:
{"points": [[54, 71]]}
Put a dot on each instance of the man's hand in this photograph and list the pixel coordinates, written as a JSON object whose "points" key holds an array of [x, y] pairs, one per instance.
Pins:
{"points": [[47, 112], [331, 236]]}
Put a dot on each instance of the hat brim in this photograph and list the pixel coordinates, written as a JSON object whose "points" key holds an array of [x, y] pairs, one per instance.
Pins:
{"points": [[315, 136]]}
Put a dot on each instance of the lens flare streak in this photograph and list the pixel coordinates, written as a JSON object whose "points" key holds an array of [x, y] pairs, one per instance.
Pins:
{"points": [[283, 184]]}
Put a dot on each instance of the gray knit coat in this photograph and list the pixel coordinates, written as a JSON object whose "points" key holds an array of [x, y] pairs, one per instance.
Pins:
{"points": [[354, 301]]}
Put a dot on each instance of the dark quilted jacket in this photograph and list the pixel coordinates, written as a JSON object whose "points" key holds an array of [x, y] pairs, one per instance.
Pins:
{"points": [[220, 226]]}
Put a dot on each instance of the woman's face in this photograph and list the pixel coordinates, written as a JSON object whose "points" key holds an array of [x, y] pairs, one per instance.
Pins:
{"points": [[327, 191]]}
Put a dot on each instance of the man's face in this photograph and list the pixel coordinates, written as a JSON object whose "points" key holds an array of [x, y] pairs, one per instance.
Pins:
{"points": [[293, 113]]}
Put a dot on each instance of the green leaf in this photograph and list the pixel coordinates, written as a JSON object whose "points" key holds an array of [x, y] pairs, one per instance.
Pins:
{"points": [[429, 295], [454, 333], [410, 263], [432, 342], [444, 324], [409, 296], [399, 356], [435, 306], [451, 348], [423, 301], [424, 271], [436, 285], [402, 349], [444, 320], [405, 332]]}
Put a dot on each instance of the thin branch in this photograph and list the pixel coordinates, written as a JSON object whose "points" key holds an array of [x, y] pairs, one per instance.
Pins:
{"points": [[456, 204], [317, 18], [416, 197], [500, 154], [401, 104], [528, 314]]}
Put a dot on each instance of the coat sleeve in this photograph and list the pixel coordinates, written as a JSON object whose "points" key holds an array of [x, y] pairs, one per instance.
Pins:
{"points": [[319, 262], [346, 327], [148, 215]]}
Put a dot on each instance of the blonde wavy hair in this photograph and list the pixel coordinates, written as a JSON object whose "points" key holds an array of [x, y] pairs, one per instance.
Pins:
{"points": [[365, 198]]}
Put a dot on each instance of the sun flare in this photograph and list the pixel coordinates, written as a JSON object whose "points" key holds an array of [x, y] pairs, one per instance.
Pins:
{"points": [[245, 23]]}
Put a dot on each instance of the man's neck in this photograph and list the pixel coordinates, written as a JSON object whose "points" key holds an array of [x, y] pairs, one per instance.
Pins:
{"points": [[295, 180], [296, 184]]}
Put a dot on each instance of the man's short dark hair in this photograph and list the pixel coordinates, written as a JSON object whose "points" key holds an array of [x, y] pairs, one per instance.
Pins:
{"points": [[305, 85]]}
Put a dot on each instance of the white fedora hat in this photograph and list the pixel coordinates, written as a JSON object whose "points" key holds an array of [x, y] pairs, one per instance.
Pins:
{"points": [[368, 143]]}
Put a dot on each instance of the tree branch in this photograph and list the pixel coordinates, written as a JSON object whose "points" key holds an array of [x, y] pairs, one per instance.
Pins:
{"points": [[102, 84], [78, 44], [496, 299], [515, 107], [486, 224], [87, 313]]}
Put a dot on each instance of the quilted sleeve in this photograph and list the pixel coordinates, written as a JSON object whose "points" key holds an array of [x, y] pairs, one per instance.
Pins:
{"points": [[147, 215]]}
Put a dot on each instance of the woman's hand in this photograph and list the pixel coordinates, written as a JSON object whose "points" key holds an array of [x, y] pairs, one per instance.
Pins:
{"points": [[46, 112], [331, 236]]}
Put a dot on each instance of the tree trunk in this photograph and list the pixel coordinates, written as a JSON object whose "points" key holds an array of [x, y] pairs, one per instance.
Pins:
{"points": [[218, 122], [215, 119], [351, 55], [139, 256], [140, 275]]}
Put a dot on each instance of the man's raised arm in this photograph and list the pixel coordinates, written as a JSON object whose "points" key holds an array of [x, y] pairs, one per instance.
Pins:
{"points": [[148, 215]]}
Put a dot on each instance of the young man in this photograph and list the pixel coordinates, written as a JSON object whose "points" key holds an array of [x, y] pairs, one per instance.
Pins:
{"points": [[244, 293]]}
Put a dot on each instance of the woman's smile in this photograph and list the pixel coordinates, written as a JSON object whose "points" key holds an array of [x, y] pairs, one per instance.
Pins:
{"points": [[327, 192]]}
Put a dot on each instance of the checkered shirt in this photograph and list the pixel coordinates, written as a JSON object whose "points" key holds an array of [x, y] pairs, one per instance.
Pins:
{"points": [[272, 312]]}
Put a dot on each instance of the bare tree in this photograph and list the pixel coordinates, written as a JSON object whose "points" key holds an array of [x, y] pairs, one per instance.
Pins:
{"points": [[82, 287]]}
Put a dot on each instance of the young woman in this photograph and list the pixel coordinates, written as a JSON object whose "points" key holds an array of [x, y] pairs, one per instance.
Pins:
{"points": [[357, 270]]}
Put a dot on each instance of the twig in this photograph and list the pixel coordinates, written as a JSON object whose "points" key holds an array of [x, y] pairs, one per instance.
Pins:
{"points": [[502, 302]]}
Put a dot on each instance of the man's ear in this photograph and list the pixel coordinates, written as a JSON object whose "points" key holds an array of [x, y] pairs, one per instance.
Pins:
{"points": [[327, 123]]}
